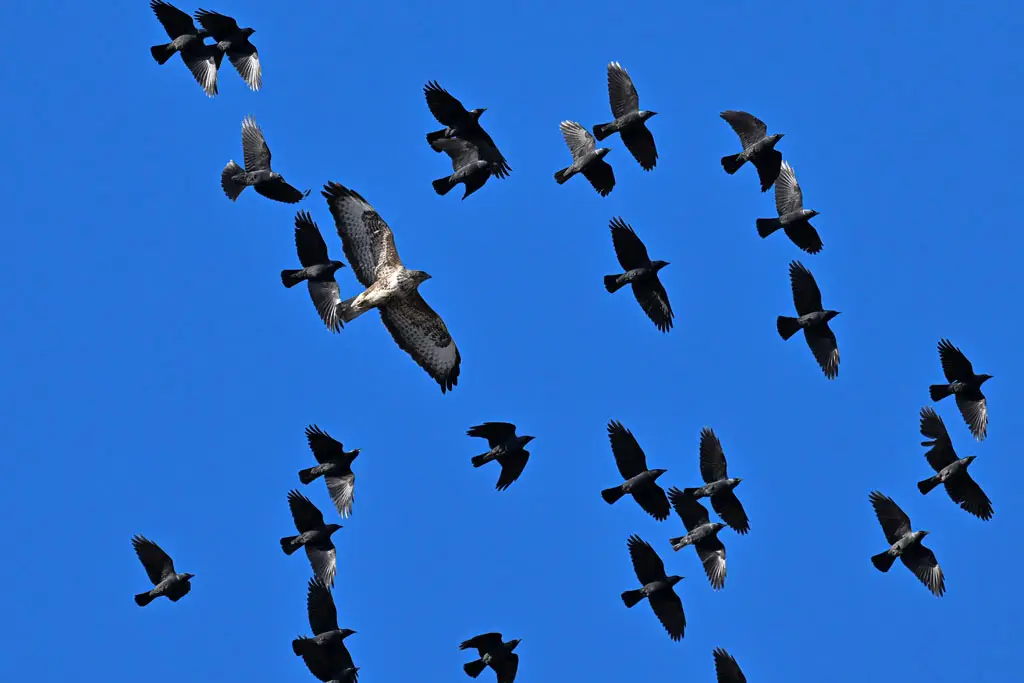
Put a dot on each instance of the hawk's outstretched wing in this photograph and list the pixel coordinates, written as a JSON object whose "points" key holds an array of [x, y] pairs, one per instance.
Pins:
{"points": [[367, 240], [421, 333]]}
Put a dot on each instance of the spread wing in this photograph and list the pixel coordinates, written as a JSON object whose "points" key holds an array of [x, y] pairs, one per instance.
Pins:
{"points": [[507, 667], [688, 508], [669, 609], [484, 643], [601, 176], [203, 62], [421, 333], [324, 562], [512, 466], [941, 452], [730, 509], [646, 562], [653, 299], [326, 296], [712, 457], [366, 239], [803, 235], [254, 146], [726, 668], [823, 344], [309, 243], [788, 195], [806, 295], [621, 91], [640, 143], [955, 365], [246, 60], [496, 433], [219, 25], [323, 615], [922, 562], [768, 164], [975, 414], [629, 456], [305, 514], [747, 126], [711, 552], [280, 191], [629, 249], [157, 563], [446, 108], [325, 447], [578, 139], [174, 21], [342, 490], [461, 152], [895, 523]]}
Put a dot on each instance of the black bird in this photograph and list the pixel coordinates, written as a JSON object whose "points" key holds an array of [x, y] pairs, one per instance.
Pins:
{"points": [[702, 534], [629, 118], [257, 171], [965, 386], [469, 169], [201, 59], [717, 484], [905, 544], [657, 587], [640, 482], [813, 320], [317, 270], [505, 447], [493, 653], [641, 273], [952, 470], [160, 568], [325, 653], [314, 535], [335, 467], [758, 147], [726, 668], [586, 159], [347, 676], [793, 218], [234, 42], [459, 123]]}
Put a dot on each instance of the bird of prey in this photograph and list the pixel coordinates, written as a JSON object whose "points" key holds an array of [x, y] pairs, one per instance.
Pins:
{"points": [[317, 270], [656, 587], [325, 653], [586, 159], [717, 484], [201, 59], [952, 470], [469, 169], [641, 273], [314, 536], [506, 448], [905, 544], [234, 42], [391, 288], [793, 218], [965, 386], [758, 147], [459, 123], [335, 467], [813, 320], [630, 119], [160, 568], [702, 534], [493, 653], [726, 668], [640, 482], [257, 172]]}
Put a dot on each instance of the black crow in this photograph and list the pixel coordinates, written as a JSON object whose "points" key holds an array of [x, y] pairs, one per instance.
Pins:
{"points": [[758, 147], [463, 124], [257, 171], [702, 534], [201, 59], [640, 482], [314, 536], [493, 653], [726, 668], [813, 320], [586, 159], [325, 654], [335, 467], [793, 218], [717, 484], [160, 569], [317, 270], [469, 169], [905, 544], [641, 273], [629, 118], [234, 42], [656, 587], [965, 386], [505, 447], [952, 470]]}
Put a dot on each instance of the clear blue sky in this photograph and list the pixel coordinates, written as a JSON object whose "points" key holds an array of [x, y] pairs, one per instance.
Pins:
{"points": [[158, 377]]}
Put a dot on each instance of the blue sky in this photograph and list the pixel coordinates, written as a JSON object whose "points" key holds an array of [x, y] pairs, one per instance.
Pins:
{"points": [[159, 377]]}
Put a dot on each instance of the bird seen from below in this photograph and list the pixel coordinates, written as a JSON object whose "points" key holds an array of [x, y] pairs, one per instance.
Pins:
{"points": [[965, 386], [702, 534], [726, 668], [314, 536], [586, 159], [717, 484], [257, 172], [317, 270], [325, 654], [813, 320], [463, 124], [656, 586], [391, 288], [234, 42], [630, 119], [201, 59], [641, 274], [758, 147], [160, 569], [469, 169], [793, 218], [951, 470], [506, 448], [640, 482], [335, 467], [905, 544], [494, 653]]}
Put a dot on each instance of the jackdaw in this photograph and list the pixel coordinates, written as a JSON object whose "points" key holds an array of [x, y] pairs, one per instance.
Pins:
{"points": [[758, 147], [314, 535], [717, 484], [656, 587], [586, 159], [726, 668], [201, 59], [629, 118], [965, 386], [459, 123], [257, 171], [952, 470], [493, 653], [335, 467], [505, 447], [317, 270], [234, 42], [702, 534], [160, 569], [325, 653], [641, 273], [905, 544], [470, 169], [793, 218], [813, 320], [640, 482]]}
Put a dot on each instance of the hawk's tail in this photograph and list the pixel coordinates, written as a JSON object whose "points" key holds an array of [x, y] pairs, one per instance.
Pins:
{"points": [[732, 163], [231, 187]]}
